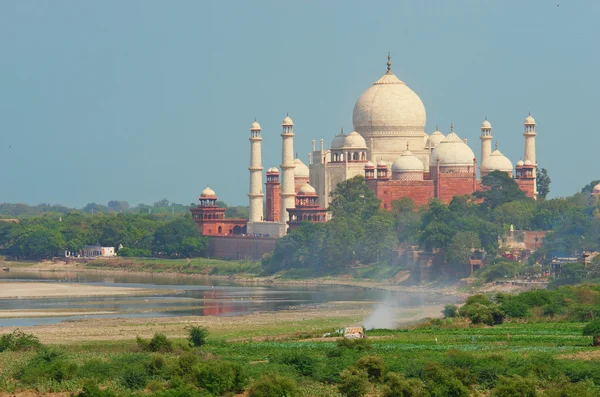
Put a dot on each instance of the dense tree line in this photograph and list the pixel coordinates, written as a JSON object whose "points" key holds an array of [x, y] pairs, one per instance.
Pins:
{"points": [[139, 235]]}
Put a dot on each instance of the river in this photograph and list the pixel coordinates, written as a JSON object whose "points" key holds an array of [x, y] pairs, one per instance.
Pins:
{"points": [[186, 296]]}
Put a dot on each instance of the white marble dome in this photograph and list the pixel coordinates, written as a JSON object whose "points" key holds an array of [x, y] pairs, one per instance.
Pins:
{"points": [[381, 163], [520, 163], [338, 141], [389, 105], [529, 120], [255, 126], [434, 139], [496, 161], [287, 121], [208, 193], [301, 170], [307, 189], [452, 152], [486, 124], [354, 141], [369, 165], [407, 162]]}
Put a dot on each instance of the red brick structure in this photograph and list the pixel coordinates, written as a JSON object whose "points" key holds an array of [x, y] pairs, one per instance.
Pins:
{"points": [[211, 219], [307, 208], [525, 178], [273, 213]]}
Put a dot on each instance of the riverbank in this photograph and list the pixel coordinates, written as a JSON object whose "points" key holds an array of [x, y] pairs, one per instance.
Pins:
{"points": [[28, 290]]}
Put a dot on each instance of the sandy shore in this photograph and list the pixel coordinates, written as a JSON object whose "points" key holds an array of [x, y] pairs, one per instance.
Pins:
{"points": [[24, 290]]}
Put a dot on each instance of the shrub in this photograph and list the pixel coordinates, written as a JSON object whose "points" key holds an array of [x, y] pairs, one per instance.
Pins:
{"points": [[579, 389], [479, 313], [450, 311], [353, 382], [90, 389], [220, 377], [156, 364], [441, 382], [197, 336], [397, 386], [593, 329], [303, 363], [354, 344], [49, 364], [158, 343], [514, 386], [273, 385], [18, 341], [515, 309], [373, 366], [187, 362], [134, 377]]}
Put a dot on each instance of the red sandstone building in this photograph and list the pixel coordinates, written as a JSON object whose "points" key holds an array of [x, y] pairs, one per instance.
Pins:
{"points": [[307, 208]]}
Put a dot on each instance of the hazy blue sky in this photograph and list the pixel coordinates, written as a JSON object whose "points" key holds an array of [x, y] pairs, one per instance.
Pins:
{"points": [[143, 100]]}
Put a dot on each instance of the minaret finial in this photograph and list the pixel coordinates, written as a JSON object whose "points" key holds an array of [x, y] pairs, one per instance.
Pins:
{"points": [[437, 128], [486, 117], [296, 154], [496, 145], [342, 131], [389, 63], [451, 127]]}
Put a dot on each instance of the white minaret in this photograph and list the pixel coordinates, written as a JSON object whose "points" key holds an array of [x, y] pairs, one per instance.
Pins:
{"points": [[288, 193], [486, 141], [255, 197], [529, 135]]}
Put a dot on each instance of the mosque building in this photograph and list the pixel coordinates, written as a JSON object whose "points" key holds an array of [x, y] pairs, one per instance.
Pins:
{"points": [[389, 147]]}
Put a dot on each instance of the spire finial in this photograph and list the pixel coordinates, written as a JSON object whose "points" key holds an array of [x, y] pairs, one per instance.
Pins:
{"points": [[530, 113], [342, 130], [437, 128], [485, 117], [496, 145], [389, 63], [296, 154], [451, 127], [407, 146]]}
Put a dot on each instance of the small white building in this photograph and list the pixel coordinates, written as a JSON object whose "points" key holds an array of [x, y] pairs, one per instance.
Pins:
{"points": [[92, 251]]}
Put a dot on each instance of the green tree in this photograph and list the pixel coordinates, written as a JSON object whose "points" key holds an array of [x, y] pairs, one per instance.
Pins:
{"points": [[498, 188], [542, 182], [179, 237], [37, 242], [461, 247], [379, 238], [517, 213], [352, 198], [407, 220]]}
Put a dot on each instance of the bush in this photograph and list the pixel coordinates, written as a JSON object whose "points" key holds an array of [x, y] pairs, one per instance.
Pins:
{"points": [[156, 365], [515, 386], [18, 341], [373, 366], [397, 386], [273, 385], [197, 336], [49, 364], [354, 344], [134, 377], [442, 383], [593, 329], [187, 362], [303, 363], [220, 377], [158, 343], [353, 382], [515, 309], [479, 313], [579, 389], [450, 311], [90, 389]]}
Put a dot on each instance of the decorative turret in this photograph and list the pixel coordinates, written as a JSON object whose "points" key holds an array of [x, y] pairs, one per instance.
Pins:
{"points": [[273, 195], [529, 135], [307, 208]]}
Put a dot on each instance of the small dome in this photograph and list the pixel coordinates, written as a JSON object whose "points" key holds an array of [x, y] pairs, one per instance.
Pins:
{"points": [[434, 139], [338, 141], [255, 126], [354, 141], [369, 165], [287, 121], [596, 189], [496, 161], [208, 193], [520, 163], [486, 124], [452, 152], [301, 170], [381, 163], [529, 120], [307, 189], [528, 162], [407, 162]]}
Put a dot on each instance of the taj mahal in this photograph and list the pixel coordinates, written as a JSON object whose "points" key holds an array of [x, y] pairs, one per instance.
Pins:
{"points": [[389, 147]]}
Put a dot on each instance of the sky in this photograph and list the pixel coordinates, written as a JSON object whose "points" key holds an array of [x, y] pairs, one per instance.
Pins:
{"points": [[145, 100]]}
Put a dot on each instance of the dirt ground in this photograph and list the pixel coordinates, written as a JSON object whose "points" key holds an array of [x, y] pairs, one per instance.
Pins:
{"points": [[22, 290]]}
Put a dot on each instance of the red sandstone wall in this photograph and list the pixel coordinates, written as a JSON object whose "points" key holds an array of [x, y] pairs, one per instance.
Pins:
{"points": [[421, 192], [252, 248], [527, 185], [455, 184]]}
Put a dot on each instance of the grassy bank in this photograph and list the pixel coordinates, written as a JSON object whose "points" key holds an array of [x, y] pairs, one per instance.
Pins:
{"points": [[548, 356]]}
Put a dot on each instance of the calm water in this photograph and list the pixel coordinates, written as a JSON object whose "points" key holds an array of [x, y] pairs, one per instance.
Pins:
{"points": [[192, 297]]}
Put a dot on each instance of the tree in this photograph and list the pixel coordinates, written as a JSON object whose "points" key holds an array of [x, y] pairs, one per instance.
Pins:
{"points": [[178, 238], [517, 213], [93, 208], [498, 188], [379, 239], [461, 247], [118, 206], [407, 220], [593, 329], [353, 198], [542, 181], [37, 242]]}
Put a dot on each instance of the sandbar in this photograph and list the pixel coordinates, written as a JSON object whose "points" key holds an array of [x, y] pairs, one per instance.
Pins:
{"points": [[26, 290]]}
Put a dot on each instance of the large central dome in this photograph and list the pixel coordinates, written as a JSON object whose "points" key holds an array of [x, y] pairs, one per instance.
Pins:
{"points": [[389, 107]]}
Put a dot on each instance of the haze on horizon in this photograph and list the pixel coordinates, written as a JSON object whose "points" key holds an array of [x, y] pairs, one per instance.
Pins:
{"points": [[140, 101]]}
